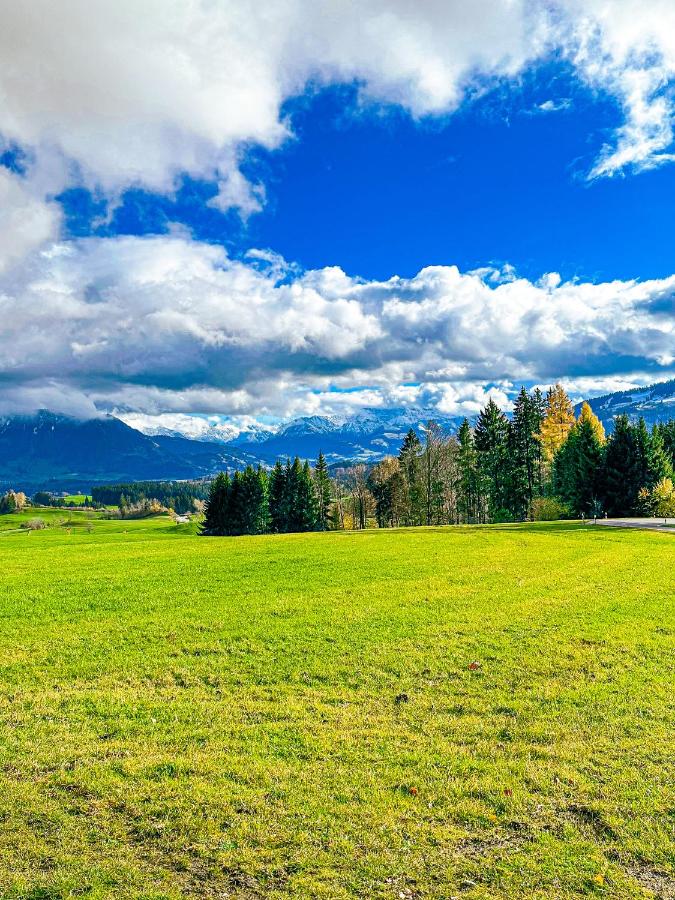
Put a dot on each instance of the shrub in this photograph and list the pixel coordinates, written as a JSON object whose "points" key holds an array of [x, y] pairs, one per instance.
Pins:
{"points": [[34, 524], [548, 509]]}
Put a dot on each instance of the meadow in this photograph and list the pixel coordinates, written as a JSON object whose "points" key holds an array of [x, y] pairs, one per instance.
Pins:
{"points": [[424, 713]]}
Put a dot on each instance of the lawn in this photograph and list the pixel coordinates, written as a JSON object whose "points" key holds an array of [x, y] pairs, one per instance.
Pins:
{"points": [[471, 712]]}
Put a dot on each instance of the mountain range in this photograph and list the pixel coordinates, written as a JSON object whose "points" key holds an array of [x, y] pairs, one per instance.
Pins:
{"points": [[47, 450], [655, 403], [55, 451]]}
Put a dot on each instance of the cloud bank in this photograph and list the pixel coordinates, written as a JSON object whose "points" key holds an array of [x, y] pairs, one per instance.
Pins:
{"points": [[168, 324], [142, 95], [137, 95]]}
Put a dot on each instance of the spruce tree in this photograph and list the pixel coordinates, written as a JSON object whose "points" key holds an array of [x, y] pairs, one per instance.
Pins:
{"points": [[524, 455], [622, 470], [277, 494], [491, 437], [323, 493], [659, 463], [236, 512], [667, 432], [215, 512], [588, 459], [306, 510], [292, 496], [468, 473], [409, 461]]}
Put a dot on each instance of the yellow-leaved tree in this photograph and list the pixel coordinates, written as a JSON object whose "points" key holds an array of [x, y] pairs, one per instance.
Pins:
{"points": [[557, 423], [663, 494], [587, 415]]}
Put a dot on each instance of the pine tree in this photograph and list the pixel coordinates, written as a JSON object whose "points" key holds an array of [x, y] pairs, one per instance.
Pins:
{"points": [[524, 455], [305, 514], [409, 460], [557, 422], [278, 515], [622, 470], [491, 437], [468, 474], [215, 512], [323, 493], [659, 463]]}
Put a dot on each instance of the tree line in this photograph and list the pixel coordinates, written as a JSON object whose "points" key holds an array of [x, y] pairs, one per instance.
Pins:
{"points": [[290, 498], [541, 462], [176, 495]]}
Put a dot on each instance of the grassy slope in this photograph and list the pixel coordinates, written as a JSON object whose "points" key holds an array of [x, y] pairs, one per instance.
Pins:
{"points": [[184, 717]]}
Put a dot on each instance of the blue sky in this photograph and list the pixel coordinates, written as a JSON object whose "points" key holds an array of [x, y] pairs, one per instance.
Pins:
{"points": [[375, 191], [213, 210]]}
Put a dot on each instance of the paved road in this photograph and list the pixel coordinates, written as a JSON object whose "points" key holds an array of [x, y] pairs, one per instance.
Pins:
{"points": [[655, 524]]}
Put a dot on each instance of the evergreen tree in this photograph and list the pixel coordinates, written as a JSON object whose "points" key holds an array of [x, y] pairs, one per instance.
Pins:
{"points": [[659, 461], [215, 512], [524, 455], [305, 513], [278, 516], [578, 467], [291, 495], [622, 470], [588, 467], [235, 515], [654, 461], [323, 493], [491, 441], [667, 432], [249, 502], [468, 474], [409, 461], [557, 422]]}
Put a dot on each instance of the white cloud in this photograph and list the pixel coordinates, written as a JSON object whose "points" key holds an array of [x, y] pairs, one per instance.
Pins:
{"points": [[169, 325], [26, 221], [139, 94]]}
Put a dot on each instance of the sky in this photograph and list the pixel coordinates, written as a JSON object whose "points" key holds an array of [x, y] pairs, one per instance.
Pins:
{"points": [[244, 213]]}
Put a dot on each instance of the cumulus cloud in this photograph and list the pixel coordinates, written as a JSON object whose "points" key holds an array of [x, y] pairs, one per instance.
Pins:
{"points": [[137, 95], [141, 95], [167, 324]]}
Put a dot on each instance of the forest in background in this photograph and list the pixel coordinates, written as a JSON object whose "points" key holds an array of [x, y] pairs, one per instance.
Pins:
{"points": [[541, 463]]}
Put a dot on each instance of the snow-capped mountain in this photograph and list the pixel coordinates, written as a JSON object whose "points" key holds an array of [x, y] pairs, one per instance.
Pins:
{"points": [[365, 436], [655, 403], [212, 429]]}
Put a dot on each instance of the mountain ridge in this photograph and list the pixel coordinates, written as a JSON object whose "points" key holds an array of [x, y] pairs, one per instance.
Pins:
{"points": [[49, 449]]}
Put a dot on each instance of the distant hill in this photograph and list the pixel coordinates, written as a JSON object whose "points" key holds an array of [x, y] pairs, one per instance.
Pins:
{"points": [[655, 403], [47, 449]]}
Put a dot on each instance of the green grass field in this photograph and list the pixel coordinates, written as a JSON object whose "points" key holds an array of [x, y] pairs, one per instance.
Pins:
{"points": [[183, 717]]}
